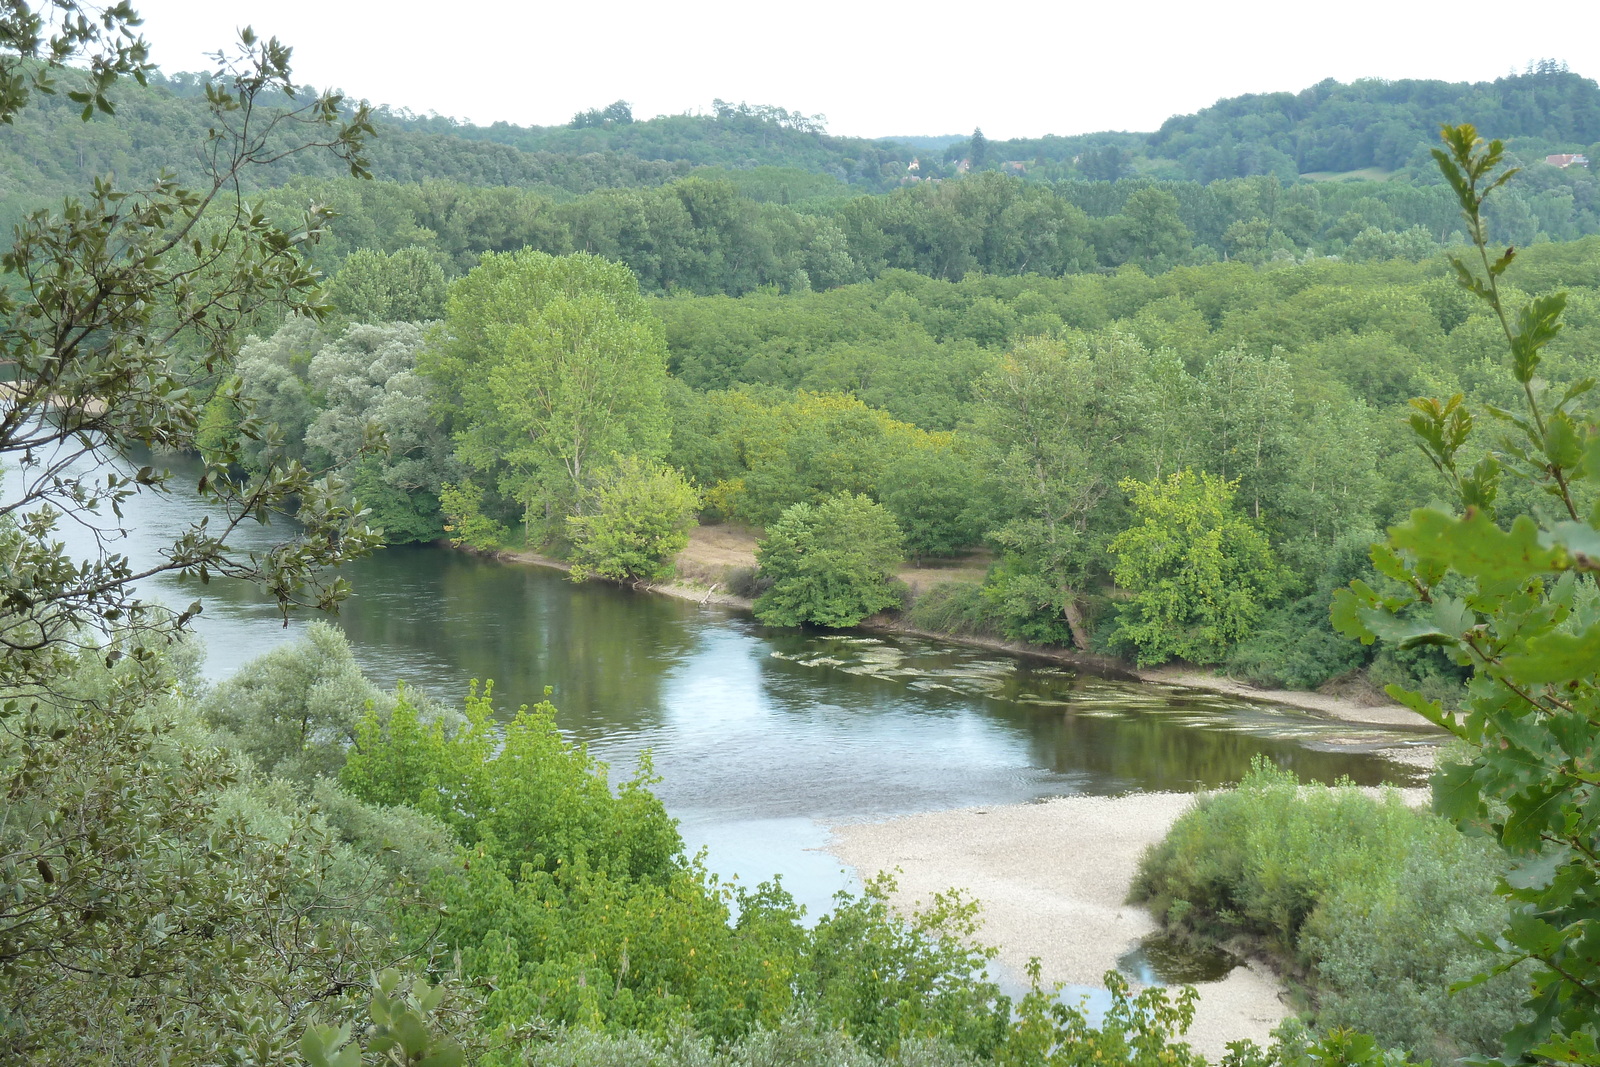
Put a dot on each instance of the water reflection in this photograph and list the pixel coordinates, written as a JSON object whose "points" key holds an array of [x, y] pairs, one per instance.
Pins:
{"points": [[764, 737]]}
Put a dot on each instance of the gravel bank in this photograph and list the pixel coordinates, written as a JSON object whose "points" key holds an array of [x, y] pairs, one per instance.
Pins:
{"points": [[1053, 878]]}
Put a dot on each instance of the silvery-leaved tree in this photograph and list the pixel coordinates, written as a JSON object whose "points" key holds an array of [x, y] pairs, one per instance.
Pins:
{"points": [[1514, 598], [100, 296]]}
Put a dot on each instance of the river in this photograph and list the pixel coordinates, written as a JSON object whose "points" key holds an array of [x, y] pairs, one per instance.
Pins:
{"points": [[764, 737]]}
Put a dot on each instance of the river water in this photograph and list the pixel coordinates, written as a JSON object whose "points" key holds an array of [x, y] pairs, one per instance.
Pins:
{"points": [[763, 737]]}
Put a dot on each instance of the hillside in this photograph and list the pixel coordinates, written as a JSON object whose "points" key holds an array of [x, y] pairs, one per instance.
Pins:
{"points": [[1372, 127], [1329, 127]]}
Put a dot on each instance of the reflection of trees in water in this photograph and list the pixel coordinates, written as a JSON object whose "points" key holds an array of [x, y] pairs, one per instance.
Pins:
{"points": [[1105, 737], [437, 618], [604, 650], [1149, 751]]}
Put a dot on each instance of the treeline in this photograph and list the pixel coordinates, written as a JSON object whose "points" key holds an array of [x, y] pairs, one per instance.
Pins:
{"points": [[1329, 127], [48, 151], [701, 235], [1063, 424], [733, 136]]}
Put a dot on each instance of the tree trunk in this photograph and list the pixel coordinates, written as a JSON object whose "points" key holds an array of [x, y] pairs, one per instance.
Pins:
{"points": [[1075, 623]]}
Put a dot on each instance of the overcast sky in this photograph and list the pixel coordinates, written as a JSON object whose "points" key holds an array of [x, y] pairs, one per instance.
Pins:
{"points": [[875, 68]]}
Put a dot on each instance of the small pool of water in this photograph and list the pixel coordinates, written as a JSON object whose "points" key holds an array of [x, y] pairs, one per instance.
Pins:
{"points": [[1163, 959]]}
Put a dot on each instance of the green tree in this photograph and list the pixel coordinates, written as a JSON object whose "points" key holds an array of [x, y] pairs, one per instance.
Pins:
{"points": [[977, 149], [1051, 410], [376, 422], [1199, 576], [632, 523], [938, 498], [108, 293], [830, 564], [1150, 232], [1514, 599], [547, 365], [403, 286]]}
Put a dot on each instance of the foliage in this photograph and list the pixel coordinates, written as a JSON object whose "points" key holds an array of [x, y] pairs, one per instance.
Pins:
{"points": [[295, 710], [403, 286], [465, 522], [1515, 602], [830, 564], [931, 493], [1141, 1030], [548, 366], [953, 608], [105, 290], [399, 1036], [760, 454], [1197, 573], [374, 418], [634, 522], [1372, 899], [147, 880]]}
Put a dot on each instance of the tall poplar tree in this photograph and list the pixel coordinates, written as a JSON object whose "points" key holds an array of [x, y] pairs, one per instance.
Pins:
{"points": [[549, 365]]}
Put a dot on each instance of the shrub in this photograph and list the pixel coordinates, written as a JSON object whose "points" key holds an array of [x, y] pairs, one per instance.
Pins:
{"points": [[954, 608], [635, 519], [829, 563], [1365, 897]]}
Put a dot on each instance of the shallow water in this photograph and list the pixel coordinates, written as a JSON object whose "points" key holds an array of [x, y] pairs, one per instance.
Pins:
{"points": [[764, 737]]}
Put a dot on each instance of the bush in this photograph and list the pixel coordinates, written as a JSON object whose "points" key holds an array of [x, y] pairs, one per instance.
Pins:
{"points": [[1198, 573], [830, 563], [635, 520], [1365, 897], [954, 608]]}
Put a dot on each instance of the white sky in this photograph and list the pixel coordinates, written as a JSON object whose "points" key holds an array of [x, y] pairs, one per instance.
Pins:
{"points": [[876, 68]]}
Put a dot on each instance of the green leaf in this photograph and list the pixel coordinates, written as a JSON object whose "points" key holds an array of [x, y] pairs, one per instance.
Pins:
{"points": [[1475, 547], [1532, 935], [1563, 441], [1431, 710], [449, 1056], [1581, 541], [1555, 657], [1531, 815], [1535, 873], [1345, 614], [1457, 795]]}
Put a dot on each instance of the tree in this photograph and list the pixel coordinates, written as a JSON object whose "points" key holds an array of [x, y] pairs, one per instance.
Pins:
{"points": [[105, 295], [295, 709], [1514, 599], [977, 149], [1198, 575], [376, 423], [403, 286], [1150, 233], [547, 365], [157, 908], [1050, 410], [830, 563], [937, 498], [633, 521]]}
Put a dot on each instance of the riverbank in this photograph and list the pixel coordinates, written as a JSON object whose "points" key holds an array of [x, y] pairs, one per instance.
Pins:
{"points": [[716, 554], [1053, 879]]}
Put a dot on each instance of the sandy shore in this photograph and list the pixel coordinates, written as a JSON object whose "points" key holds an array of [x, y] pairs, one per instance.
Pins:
{"points": [[1053, 878]]}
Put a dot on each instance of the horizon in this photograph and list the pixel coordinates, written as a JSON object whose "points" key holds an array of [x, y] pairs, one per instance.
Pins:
{"points": [[1040, 71]]}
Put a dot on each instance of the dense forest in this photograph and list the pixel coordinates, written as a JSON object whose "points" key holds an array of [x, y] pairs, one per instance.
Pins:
{"points": [[1035, 417], [1176, 416]]}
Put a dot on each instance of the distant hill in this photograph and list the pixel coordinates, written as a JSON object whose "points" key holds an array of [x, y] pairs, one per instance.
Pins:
{"points": [[1366, 129], [1332, 128]]}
